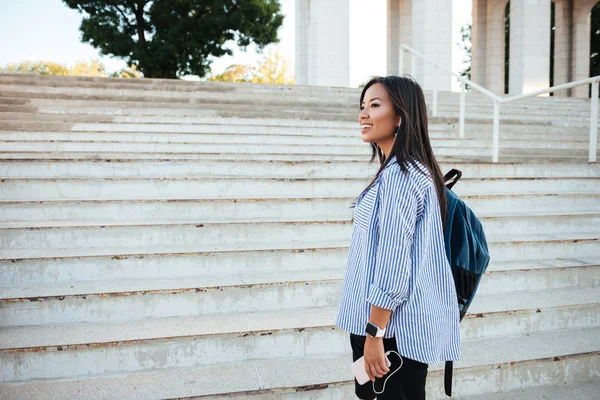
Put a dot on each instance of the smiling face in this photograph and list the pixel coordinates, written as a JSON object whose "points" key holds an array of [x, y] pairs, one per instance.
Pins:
{"points": [[377, 110]]}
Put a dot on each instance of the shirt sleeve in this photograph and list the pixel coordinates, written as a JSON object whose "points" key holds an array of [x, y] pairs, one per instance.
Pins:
{"points": [[397, 216]]}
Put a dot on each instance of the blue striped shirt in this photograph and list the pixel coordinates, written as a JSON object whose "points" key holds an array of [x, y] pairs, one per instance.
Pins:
{"points": [[397, 261]]}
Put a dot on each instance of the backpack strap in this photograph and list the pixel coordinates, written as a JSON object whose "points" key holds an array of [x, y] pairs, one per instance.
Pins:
{"points": [[448, 378], [452, 177]]}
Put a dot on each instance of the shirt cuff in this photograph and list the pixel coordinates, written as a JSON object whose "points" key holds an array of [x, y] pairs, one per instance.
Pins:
{"points": [[379, 298]]}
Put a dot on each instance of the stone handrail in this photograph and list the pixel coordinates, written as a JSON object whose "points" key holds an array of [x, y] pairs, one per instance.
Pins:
{"points": [[594, 81]]}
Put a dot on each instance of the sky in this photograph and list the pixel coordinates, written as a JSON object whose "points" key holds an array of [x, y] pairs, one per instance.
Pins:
{"points": [[48, 30]]}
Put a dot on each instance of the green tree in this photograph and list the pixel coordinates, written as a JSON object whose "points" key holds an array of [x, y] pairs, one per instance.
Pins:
{"points": [[167, 39]]}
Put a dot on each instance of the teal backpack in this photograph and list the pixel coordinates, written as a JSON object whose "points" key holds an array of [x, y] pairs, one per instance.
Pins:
{"points": [[467, 252]]}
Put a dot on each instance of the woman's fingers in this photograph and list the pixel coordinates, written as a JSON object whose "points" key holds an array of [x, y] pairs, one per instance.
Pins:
{"points": [[383, 366], [376, 369], [368, 369], [379, 372]]}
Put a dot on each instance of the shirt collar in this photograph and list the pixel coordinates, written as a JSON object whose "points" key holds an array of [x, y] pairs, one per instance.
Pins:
{"points": [[392, 160]]}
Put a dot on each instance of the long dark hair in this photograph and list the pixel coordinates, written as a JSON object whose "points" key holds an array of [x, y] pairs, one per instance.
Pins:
{"points": [[412, 142]]}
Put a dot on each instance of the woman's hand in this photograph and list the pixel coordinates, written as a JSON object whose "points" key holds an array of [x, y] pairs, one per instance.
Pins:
{"points": [[374, 354]]}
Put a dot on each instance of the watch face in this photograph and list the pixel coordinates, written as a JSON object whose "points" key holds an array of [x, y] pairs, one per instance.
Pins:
{"points": [[371, 329]]}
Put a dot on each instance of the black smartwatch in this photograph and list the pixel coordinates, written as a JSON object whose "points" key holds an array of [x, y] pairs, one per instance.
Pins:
{"points": [[373, 330]]}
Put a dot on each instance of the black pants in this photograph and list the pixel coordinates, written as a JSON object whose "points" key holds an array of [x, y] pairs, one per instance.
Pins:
{"points": [[406, 384]]}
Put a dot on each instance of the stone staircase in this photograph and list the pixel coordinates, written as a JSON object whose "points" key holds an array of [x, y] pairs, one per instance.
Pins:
{"points": [[164, 239]]}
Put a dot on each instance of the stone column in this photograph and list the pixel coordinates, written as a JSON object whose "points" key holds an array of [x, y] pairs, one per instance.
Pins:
{"points": [[529, 46], [495, 42], [432, 36], [581, 44], [479, 42], [322, 42], [406, 34], [302, 41], [563, 38], [393, 37]]}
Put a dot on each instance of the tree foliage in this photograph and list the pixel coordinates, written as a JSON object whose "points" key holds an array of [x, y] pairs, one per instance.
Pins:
{"points": [[81, 68], [236, 73], [166, 38], [271, 69], [92, 68], [35, 67]]}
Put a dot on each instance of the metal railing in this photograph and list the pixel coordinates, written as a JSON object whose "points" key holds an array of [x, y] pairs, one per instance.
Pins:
{"points": [[594, 81]]}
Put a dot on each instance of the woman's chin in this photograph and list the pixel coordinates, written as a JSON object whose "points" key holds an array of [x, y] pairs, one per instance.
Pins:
{"points": [[367, 138]]}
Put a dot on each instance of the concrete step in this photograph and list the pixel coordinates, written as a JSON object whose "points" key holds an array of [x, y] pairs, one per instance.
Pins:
{"points": [[501, 277], [220, 138], [439, 130], [559, 120], [253, 128], [101, 114], [60, 264], [302, 209], [316, 136], [126, 89], [246, 109], [561, 130], [289, 96], [204, 148], [438, 140], [583, 390], [118, 106], [73, 234], [508, 110], [247, 336], [166, 112], [169, 85], [266, 125], [120, 300], [185, 86], [503, 248], [34, 130], [213, 231], [575, 157], [30, 189], [452, 147], [269, 97], [274, 128], [112, 168], [319, 120], [276, 108], [486, 366]]}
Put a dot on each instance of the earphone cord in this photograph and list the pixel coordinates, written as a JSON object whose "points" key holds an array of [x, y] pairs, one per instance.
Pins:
{"points": [[386, 379]]}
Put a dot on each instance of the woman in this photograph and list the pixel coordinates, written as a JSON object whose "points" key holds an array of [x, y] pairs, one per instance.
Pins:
{"points": [[398, 292]]}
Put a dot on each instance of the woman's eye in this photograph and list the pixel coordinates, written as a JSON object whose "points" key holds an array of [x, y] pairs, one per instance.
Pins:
{"points": [[362, 108]]}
